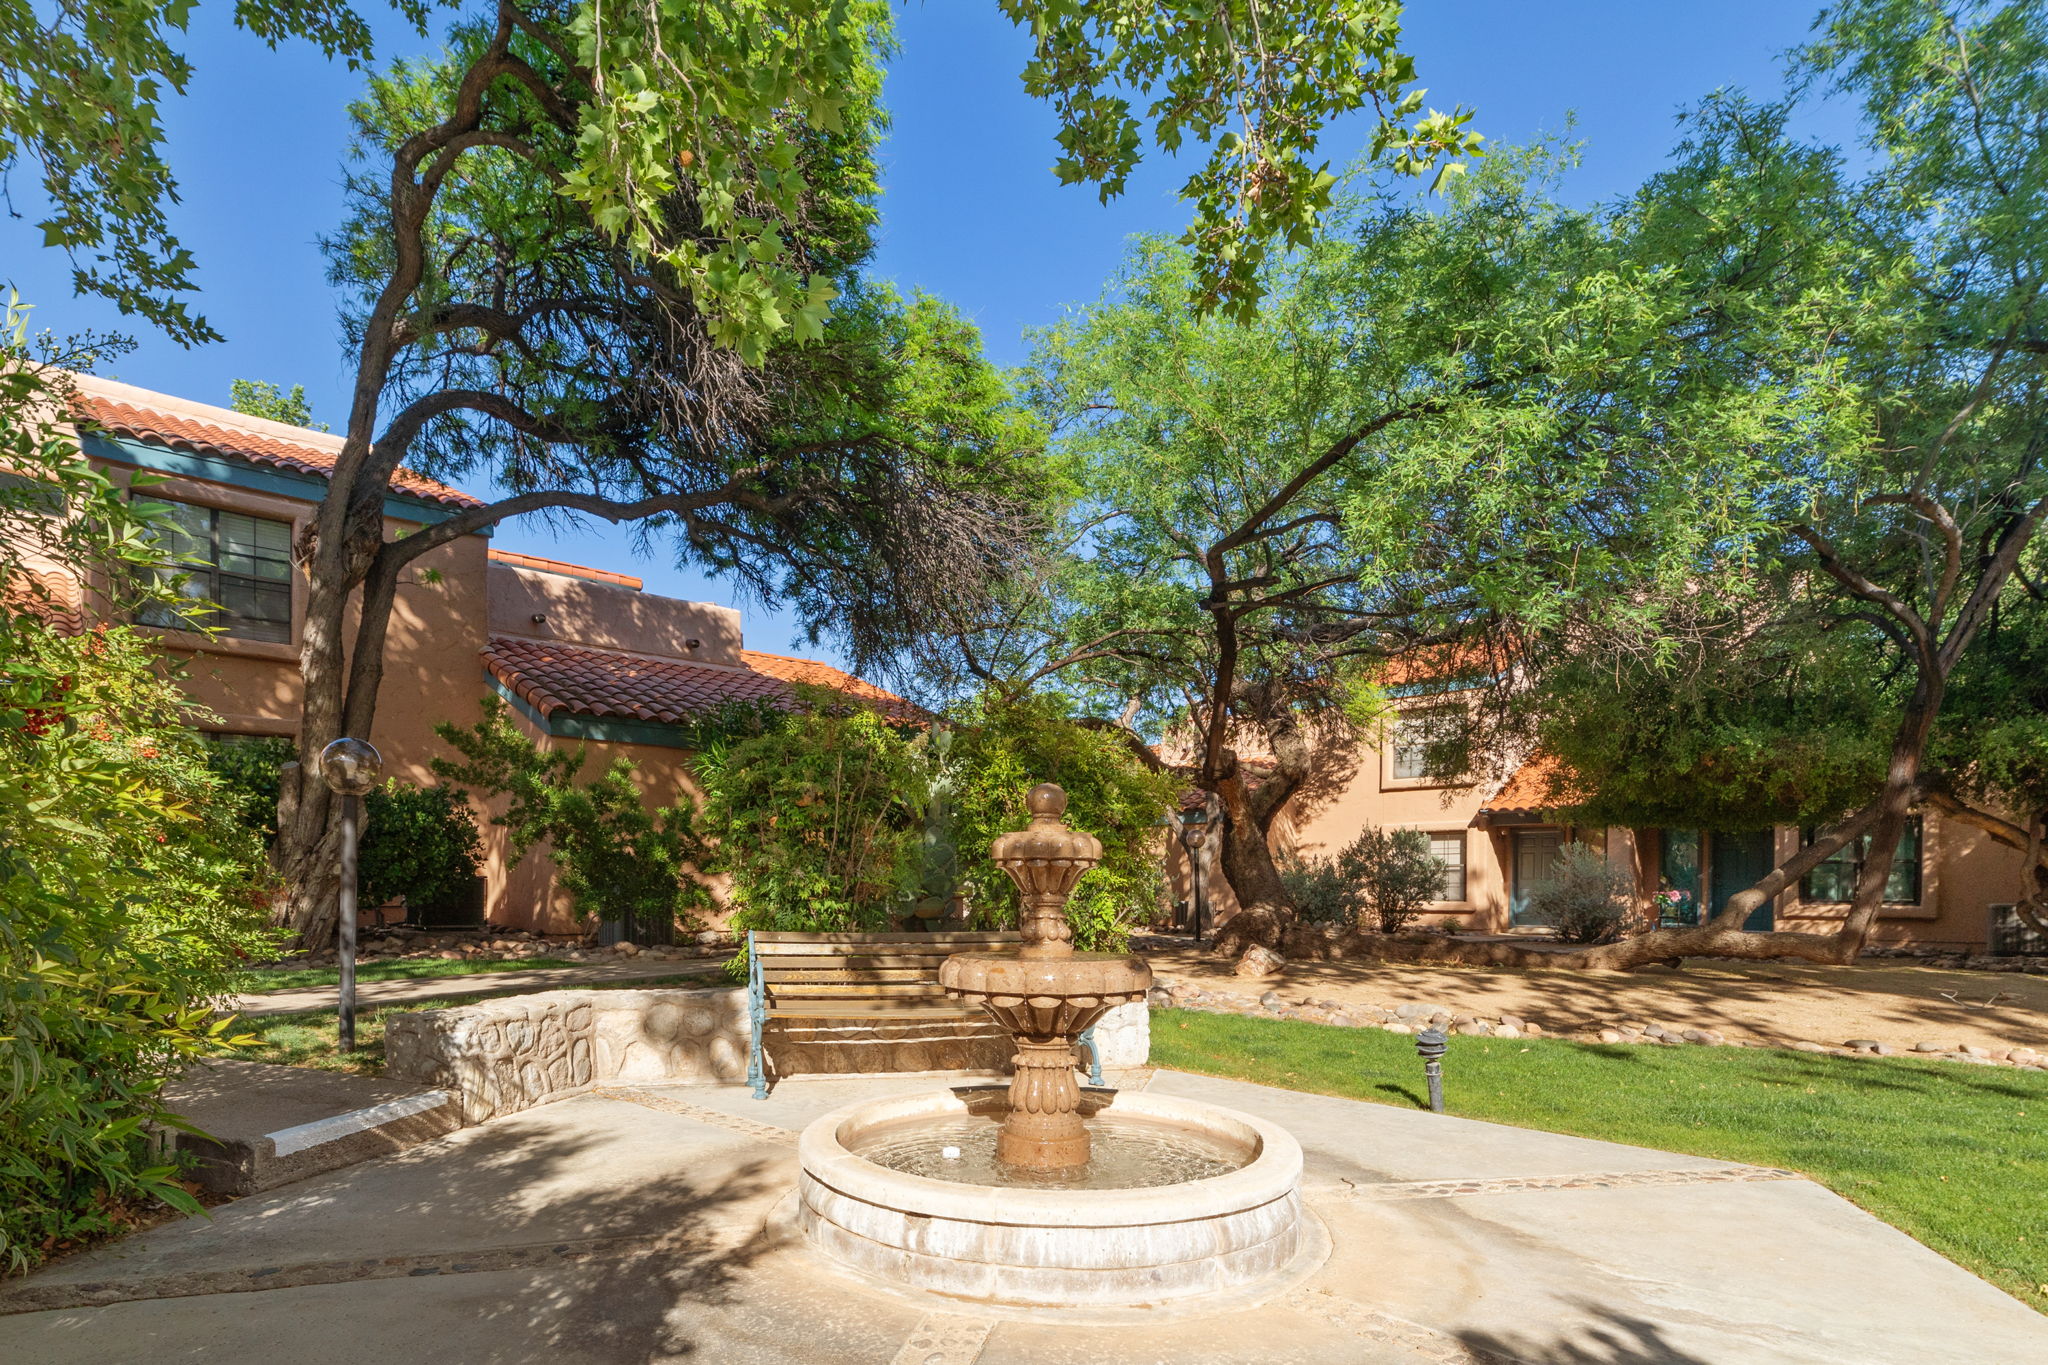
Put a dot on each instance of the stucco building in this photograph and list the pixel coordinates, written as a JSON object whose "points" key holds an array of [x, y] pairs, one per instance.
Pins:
{"points": [[581, 655], [1951, 886]]}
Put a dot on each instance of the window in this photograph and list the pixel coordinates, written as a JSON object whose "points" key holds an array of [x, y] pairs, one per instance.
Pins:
{"points": [[1415, 737], [242, 580], [1835, 878], [1449, 849]]}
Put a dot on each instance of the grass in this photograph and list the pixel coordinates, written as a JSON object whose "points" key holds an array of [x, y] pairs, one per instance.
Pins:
{"points": [[259, 979], [1952, 1155], [310, 1039]]}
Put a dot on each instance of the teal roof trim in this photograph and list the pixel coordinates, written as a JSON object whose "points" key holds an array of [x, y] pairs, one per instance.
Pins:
{"points": [[243, 474], [604, 729]]}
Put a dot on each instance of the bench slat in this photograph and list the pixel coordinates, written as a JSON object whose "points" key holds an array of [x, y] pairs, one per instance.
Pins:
{"points": [[859, 991], [832, 1009], [818, 971], [793, 942]]}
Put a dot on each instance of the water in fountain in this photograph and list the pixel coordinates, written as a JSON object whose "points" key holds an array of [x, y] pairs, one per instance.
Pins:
{"points": [[1127, 1154]]}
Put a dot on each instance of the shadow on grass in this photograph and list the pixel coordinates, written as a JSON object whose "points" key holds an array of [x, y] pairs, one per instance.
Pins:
{"points": [[1389, 1088]]}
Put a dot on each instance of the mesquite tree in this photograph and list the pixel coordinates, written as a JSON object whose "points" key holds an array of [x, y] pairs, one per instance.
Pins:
{"points": [[606, 257]]}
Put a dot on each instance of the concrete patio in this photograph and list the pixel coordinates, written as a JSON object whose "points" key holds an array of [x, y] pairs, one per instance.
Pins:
{"points": [[636, 1224]]}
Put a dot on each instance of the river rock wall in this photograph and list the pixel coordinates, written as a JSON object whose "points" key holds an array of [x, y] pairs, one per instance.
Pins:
{"points": [[501, 1056]]}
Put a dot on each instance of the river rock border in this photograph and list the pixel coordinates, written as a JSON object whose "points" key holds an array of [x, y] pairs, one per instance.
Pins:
{"points": [[1415, 1016], [504, 1055]]}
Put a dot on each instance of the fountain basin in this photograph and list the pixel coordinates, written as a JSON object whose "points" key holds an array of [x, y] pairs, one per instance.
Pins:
{"points": [[1053, 1248]]}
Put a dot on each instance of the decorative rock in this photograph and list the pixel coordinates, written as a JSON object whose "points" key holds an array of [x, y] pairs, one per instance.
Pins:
{"points": [[1475, 1029], [1259, 960], [1160, 998], [1271, 1000], [1863, 1044], [1934, 1047], [1608, 1035], [1808, 1047], [1414, 1011], [1972, 1050], [1396, 1028], [1885, 1050], [626, 949], [1507, 1030], [1514, 1022]]}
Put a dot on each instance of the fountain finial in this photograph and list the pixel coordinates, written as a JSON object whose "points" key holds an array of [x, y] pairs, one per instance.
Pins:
{"points": [[1045, 859]]}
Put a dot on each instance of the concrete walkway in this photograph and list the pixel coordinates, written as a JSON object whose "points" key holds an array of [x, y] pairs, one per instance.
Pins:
{"points": [[371, 994], [627, 1225]]}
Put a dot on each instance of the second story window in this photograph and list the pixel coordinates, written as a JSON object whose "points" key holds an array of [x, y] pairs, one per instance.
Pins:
{"points": [[1415, 739], [243, 573]]}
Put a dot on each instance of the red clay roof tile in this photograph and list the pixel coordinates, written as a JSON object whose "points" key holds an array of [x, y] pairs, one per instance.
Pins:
{"points": [[600, 682], [190, 434]]}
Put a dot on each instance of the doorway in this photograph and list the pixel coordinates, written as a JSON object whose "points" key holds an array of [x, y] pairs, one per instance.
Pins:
{"points": [[1536, 856], [1741, 860]]}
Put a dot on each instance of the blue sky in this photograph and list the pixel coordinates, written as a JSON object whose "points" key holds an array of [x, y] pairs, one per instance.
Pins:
{"points": [[971, 211]]}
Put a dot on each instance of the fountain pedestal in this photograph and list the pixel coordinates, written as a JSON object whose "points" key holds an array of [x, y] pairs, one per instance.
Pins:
{"points": [[1045, 995]]}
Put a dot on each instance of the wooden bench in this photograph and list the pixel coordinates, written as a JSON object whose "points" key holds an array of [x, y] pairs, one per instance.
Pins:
{"points": [[892, 977]]}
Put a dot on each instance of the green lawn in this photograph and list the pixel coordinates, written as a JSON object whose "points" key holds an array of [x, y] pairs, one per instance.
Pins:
{"points": [[259, 979], [1956, 1156], [309, 1039]]}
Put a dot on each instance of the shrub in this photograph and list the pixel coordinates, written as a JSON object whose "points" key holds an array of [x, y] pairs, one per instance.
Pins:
{"points": [[812, 813], [1321, 893], [1587, 902], [1007, 747], [129, 890], [1394, 873], [618, 859], [419, 844]]}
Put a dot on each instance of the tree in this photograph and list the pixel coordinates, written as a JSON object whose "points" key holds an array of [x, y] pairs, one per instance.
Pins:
{"points": [[258, 398], [1439, 422], [718, 101], [1871, 656], [614, 302]]}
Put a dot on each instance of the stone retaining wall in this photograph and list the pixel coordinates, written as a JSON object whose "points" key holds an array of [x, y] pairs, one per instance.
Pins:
{"points": [[501, 1056]]}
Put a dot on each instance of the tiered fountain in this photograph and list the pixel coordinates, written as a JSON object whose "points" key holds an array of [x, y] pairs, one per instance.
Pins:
{"points": [[1047, 1195]]}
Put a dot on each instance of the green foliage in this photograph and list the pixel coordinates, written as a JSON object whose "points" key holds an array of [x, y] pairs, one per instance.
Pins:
{"points": [[617, 858], [1395, 873], [128, 888], [1586, 901], [1385, 876], [419, 844], [249, 768], [259, 398], [714, 115], [812, 813], [1006, 746]]}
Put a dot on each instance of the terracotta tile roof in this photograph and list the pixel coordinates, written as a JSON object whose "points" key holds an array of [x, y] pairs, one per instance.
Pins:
{"points": [[1539, 784], [520, 561], [1439, 663], [314, 455], [600, 682], [52, 597]]}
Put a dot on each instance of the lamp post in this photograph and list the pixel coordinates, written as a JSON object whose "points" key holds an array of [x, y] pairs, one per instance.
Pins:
{"points": [[350, 767], [1430, 1045], [1193, 829]]}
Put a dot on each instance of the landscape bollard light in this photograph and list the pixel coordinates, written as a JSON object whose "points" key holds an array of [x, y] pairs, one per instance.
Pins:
{"points": [[1431, 1044], [350, 768]]}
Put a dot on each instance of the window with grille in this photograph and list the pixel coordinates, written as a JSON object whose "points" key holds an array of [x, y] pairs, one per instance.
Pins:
{"points": [[235, 570], [1415, 737], [1835, 878], [1449, 849]]}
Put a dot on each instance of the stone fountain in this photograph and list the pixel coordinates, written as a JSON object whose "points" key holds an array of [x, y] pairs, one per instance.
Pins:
{"points": [[1045, 995], [1040, 1195]]}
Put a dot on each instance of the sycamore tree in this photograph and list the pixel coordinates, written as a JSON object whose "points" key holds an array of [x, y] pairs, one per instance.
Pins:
{"points": [[607, 261]]}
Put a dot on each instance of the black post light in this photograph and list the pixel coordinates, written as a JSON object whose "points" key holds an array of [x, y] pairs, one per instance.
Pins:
{"points": [[1193, 829], [1430, 1045], [351, 768]]}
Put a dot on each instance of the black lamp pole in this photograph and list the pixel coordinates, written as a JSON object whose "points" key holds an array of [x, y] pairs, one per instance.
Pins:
{"points": [[350, 768]]}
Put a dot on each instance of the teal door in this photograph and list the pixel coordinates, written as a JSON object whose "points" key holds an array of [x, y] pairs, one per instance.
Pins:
{"points": [[1740, 861], [1536, 854]]}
